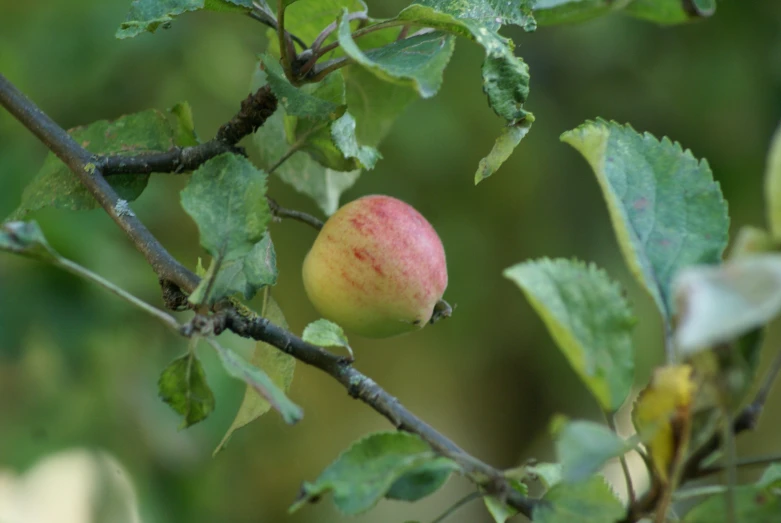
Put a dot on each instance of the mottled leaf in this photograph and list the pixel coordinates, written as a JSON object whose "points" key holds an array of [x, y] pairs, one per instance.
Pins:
{"points": [[416, 61], [278, 365], [583, 447], [505, 76], [490, 13], [588, 318], [261, 383], [720, 303], [370, 468], [148, 131], [666, 210], [506, 143], [226, 197], [589, 501], [26, 238], [671, 11], [148, 15], [183, 386]]}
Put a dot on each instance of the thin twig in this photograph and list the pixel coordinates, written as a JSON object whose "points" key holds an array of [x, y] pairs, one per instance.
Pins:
{"points": [[748, 462], [630, 489], [254, 111], [78, 159], [357, 384], [266, 18], [286, 50], [74, 268], [281, 212], [457, 505]]}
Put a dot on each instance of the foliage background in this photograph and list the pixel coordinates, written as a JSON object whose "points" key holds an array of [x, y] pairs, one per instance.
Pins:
{"points": [[78, 368]]}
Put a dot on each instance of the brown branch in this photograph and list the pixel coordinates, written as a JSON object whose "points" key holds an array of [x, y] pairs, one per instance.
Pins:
{"points": [[78, 160], [255, 110], [281, 212], [169, 270]]}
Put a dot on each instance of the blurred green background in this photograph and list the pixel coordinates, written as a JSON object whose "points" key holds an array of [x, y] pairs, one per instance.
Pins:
{"points": [[78, 367]]}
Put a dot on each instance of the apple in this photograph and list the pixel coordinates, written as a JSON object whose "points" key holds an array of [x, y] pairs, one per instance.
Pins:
{"points": [[377, 268]]}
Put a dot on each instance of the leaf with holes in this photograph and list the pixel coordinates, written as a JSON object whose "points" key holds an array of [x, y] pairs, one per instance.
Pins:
{"points": [[588, 318], [666, 210], [149, 15]]}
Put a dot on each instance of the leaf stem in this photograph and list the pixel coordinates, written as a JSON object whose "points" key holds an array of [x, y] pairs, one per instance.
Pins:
{"points": [[630, 489], [281, 212], [259, 13], [748, 462], [85, 273], [286, 49], [457, 505]]}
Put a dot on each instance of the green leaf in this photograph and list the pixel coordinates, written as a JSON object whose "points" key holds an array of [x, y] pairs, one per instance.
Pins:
{"points": [[323, 185], [550, 12], [583, 447], [371, 467], [589, 501], [226, 197], [343, 133], [720, 303], [245, 275], [671, 11], [667, 211], [306, 18], [420, 482], [549, 474], [374, 103], [498, 509], [183, 386], [261, 383], [771, 478], [506, 143], [325, 333], [588, 318], [773, 185], [26, 238], [505, 76], [416, 61], [753, 503], [148, 131], [184, 126], [490, 13], [298, 102], [278, 365], [148, 15]]}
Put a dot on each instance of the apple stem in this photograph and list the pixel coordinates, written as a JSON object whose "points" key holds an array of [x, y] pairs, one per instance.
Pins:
{"points": [[441, 310]]}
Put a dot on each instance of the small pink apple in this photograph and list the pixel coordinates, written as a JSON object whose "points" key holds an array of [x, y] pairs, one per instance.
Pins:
{"points": [[377, 268]]}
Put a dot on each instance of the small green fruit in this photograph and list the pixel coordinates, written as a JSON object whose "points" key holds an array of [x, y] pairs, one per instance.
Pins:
{"points": [[377, 268]]}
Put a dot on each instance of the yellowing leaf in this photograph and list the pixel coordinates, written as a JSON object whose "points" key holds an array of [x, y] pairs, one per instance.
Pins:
{"points": [[662, 415]]}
